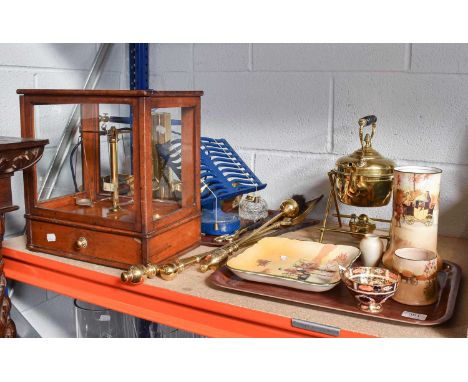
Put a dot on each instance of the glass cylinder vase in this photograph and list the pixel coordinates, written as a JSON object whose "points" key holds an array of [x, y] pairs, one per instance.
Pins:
{"points": [[93, 321], [415, 210]]}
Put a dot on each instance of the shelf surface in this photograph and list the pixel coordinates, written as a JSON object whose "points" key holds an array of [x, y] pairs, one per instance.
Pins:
{"points": [[189, 303]]}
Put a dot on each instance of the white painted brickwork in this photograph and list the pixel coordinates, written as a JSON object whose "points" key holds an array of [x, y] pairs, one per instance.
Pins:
{"points": [[328, 57], [439, 58], [292, 109], [263, 110], [53, 56], [172, 57], [221, 57]]}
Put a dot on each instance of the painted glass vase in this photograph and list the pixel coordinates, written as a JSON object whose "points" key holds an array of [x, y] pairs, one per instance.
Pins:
{"points": [[415, 210]]}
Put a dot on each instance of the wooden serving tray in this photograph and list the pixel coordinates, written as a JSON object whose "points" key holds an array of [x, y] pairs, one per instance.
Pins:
{"points": [[341, 300]]}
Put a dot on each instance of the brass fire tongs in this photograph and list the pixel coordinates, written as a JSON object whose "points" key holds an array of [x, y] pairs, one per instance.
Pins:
{"points": [[292, 212]]}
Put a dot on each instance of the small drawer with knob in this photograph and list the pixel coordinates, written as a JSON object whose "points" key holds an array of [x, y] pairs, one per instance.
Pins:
{"points": [[85, 244]]}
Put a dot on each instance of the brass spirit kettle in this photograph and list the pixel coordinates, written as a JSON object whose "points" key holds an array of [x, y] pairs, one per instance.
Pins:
{"points": [[364, 178]]}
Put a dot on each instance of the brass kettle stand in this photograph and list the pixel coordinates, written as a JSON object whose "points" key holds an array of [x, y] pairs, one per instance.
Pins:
{"points": [[359, 225]]}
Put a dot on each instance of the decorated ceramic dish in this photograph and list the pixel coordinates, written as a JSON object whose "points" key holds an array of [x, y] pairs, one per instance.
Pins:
{"points": [[370, 286], [298, 264]]}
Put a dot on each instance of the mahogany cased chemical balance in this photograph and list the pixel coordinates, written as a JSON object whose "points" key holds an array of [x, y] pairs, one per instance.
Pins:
{"points": [[129, 189]]}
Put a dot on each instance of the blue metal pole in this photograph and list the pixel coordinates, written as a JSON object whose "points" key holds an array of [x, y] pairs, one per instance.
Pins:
{"points": [[139, 76], [139, 68], [139, 80]]}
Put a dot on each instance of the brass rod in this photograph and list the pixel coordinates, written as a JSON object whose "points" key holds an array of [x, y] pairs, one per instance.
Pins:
{"points": [[352, 233], [114, 168], [290, 215], [261, 228], [374, 219]]}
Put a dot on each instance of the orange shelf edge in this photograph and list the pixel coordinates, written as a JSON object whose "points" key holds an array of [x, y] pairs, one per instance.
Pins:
{"points": [[195, 314]]}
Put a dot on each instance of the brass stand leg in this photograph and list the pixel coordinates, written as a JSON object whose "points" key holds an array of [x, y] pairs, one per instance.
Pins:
{"points": [[331, 176], [327, 210], [331, 196]]}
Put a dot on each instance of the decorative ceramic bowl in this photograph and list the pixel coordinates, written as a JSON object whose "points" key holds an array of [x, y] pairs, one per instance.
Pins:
{"points": [[298, 264], [370, 286]]}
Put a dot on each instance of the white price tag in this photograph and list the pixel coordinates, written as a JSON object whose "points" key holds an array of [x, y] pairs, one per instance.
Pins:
{"points": [[51, 237], [104, 317], [415, 316]]}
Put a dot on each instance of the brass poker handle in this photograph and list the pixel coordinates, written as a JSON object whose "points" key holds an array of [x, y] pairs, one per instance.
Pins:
{"points": [[364, 122]]}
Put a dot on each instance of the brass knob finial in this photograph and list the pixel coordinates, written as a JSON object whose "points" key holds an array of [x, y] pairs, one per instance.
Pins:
{"points": [[289, 208], [136, 273], [82, 242]]}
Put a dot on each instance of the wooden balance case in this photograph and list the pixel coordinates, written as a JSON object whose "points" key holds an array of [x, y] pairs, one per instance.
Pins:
{"points": [[129, 189]]}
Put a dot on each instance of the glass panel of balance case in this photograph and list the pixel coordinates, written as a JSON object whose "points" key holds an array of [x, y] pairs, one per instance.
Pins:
{"points": [[128, 191]]}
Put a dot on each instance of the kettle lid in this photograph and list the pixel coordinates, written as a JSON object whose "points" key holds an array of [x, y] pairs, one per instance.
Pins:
{"points": [[366, 161]]}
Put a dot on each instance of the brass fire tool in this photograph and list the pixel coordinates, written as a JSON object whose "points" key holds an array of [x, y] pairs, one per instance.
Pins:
{"points": [[292, 212]]}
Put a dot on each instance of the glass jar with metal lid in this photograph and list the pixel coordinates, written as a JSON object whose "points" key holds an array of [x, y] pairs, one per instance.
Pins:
{"points": [[364, 178]]}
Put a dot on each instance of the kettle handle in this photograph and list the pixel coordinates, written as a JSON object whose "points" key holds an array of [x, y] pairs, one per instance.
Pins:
{"points": [[364, 122], [367, 120]]}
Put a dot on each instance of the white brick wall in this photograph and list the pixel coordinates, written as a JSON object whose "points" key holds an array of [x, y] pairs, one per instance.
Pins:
{"points": [[221, 57], [328, 57], [292, 109], [265, 110], [54, 56], [439, 58]]}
